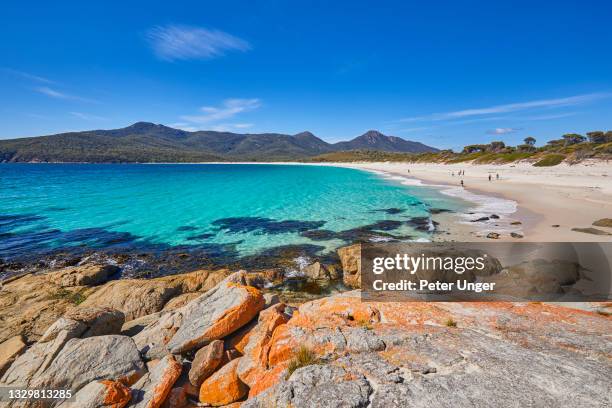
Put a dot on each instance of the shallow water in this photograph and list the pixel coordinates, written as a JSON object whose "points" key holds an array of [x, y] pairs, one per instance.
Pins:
{"points": [[237, 209]]}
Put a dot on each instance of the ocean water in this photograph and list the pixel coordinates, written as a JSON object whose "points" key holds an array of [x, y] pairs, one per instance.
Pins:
{"points": [[240, 210]]}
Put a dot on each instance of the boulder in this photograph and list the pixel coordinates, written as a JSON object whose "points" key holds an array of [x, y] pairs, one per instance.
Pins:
{"points": [[9, 350], [98, 321], [216, 314], [205, 362], [317, 271], [254, 362], [153, 339], [83, 275], [350, 257], [493, 235], [223, 387], [153, 388], [100, 393], [37, 358], [270, 299], [133, 327], [82, 361], [140, 297], [74, 327]]}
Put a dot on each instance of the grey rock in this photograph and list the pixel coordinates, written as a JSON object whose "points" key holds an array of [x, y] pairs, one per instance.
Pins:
{"points": [[99, 321], [360, 339], [133, 327], [152, 340], [96, 394], [270, 299], [82, 361], [153, 388], [316, 386]]}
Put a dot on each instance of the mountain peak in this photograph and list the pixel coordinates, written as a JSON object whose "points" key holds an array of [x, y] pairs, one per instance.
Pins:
{"points": [[373, 134], [304, 134]]}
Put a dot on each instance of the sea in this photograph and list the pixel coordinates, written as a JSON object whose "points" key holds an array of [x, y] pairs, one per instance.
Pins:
{"points": [[181, 216]]}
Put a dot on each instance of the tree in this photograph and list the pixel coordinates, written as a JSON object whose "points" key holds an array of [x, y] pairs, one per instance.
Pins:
{"points": [[596, 137], [573, 138], [529, 141], [496, 146], [477, 148]]}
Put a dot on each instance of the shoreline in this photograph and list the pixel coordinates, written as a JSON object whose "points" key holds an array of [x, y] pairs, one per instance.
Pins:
{"points": [[550, 201]]}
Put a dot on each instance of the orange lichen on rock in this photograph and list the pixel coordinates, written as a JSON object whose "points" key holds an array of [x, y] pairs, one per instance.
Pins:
{"points": [[237, 316], [117, 394], [255, 360], [268, 379], [223, 387]]}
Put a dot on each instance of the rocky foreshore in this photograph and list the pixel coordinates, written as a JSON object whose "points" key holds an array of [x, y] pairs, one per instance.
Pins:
{"points": [[217, 338]]}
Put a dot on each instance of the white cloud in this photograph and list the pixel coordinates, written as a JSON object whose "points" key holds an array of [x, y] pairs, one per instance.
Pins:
{"points": [[512, 107], [28, 76], [53, 93], [176, 42], [228, 109], [231, 127], [502, 131], [86, 116]]}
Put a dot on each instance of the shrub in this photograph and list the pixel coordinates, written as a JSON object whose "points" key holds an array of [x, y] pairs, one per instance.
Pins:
{"points": [[302, 358], [450, 322], [75, 298], [550, 160]]}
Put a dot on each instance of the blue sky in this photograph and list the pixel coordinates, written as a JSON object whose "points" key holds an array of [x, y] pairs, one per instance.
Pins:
{"points": [[446, 73]]}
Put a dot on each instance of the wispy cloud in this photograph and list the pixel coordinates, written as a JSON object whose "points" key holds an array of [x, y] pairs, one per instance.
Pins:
{"points": [[86, 116], [177, 42], [231, 127], [512, 107], [27, 75], [551, 117], [229, 108], [502, 131], [53, 93]]}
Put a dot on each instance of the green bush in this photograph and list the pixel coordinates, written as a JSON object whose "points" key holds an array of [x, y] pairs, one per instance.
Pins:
{"points": [[550, 160]]}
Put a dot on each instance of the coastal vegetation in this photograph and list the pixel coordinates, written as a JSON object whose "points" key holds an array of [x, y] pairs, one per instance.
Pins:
{"points": [[570, 148]]}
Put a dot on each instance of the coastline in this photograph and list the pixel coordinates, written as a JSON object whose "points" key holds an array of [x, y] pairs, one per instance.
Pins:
{"points": [[550, 201]]}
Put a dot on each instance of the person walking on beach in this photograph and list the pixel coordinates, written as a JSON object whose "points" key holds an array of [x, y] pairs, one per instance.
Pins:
{"points": [[489, 176], [497, 176], [462, 183]]}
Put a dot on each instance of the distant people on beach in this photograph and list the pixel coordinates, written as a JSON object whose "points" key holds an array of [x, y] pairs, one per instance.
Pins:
{"points": [[462, 183], [497, 176], [489, 176]]}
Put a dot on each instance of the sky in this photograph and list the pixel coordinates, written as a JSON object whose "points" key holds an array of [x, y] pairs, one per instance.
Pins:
{"points": [[445, 73]]}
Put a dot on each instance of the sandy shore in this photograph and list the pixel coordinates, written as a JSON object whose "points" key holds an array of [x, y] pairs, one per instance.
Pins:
{"points": [[549, 201]]}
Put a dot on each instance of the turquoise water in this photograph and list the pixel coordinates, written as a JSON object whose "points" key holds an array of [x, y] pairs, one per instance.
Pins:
{"points": [[49, 206]]}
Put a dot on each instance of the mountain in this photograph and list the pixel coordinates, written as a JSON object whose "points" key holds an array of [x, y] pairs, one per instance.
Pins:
{"points": [[149, 142], [374, 140]]}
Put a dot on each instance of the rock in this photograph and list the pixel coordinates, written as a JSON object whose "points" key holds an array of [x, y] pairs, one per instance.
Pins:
{"points": [[516, 235], [37, 358], [9, 350], [177, 398], [100, 393], [424, 363], [516, 223], [350, 257], [270, 299], [216, 314], [30, 304], [555, 225], [316, 386], [180, 301], [254, 362], [73, 327], [493, 235], [153, 388], [152, 340], [481, 219], [205, 362], [98, 321], [494, 216], [82, 361], [140, 297], [223, 387], [316, 271], [604, 222], [590, 230], [133, 327], [83, 275]]}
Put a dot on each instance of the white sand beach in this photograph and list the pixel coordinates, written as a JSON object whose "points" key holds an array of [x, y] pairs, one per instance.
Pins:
{"points": [[549, 201]]}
